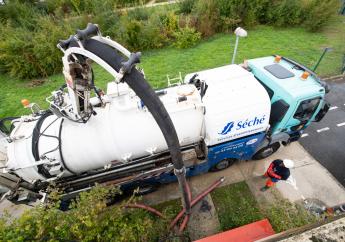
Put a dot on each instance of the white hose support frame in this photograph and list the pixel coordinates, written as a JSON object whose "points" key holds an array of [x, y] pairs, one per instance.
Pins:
{"points": [[80, 51], [112, 43]]}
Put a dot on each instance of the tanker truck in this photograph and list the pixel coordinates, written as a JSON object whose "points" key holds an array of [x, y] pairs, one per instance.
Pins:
{"points": [[87, 136]]}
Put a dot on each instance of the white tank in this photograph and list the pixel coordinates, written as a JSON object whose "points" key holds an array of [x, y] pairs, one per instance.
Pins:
{"points": [[121, 131], [237, 105]]}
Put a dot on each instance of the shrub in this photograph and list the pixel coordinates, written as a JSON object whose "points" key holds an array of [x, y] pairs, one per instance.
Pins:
{"points": [[233, 8], [130, 34], [186, 37], [186, 6], [153, 34], [208, 16], [170, 23], [18, 14], [229, 24], [246, 12], [127, 3], [108, 21], [139, 14], [16, 57], [27, 54], [88, 220], [318, 12], [285, 13], [91, 6], [260, 8], [30, 29]]}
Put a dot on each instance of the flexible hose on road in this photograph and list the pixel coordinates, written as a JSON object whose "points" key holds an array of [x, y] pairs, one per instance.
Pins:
{"points": [[183, 211], [184, 223], [144, 91], [145, 207]]}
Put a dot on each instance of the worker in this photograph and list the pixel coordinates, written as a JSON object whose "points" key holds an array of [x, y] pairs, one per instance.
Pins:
{"points": [[278, 170]]}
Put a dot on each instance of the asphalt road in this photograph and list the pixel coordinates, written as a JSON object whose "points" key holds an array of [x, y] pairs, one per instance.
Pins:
{"points": [[325, 140]]}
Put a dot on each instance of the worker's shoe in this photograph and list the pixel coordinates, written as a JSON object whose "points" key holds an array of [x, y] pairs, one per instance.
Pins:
{"points": [[265, 188]]}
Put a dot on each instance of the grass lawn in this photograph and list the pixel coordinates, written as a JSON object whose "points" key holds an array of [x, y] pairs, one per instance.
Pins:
{"points": [[295, 43], [284, 215], [236, 206], [170, 208]]}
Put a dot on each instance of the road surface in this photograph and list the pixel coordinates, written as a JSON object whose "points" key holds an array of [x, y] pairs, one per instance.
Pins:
{"points": [[325, 140]]}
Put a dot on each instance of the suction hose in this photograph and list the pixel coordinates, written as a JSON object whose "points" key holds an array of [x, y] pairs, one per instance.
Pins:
{"points": [[141, 87]]}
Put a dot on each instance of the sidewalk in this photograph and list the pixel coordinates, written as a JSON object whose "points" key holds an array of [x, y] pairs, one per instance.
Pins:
{"points": [[313, 180]]}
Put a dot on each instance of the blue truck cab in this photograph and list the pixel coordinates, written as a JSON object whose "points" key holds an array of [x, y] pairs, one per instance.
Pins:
{"points": [[257, 106], [297, 95], [253, 108]]}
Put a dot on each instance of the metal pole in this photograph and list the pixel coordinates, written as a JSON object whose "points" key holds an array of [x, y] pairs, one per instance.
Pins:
{"points": [[182, 181], [323, 54], [235, 50]]}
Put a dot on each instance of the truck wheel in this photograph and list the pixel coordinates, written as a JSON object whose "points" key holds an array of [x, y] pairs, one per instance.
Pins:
{"points": [[223, 164], [266, 151]]}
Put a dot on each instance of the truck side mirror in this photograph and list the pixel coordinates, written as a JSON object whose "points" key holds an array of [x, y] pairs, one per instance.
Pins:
{"points": [[319, 116], [278, 111]]}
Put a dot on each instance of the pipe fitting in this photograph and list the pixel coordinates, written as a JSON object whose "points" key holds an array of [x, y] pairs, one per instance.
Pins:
{"points": [[179, 172]]}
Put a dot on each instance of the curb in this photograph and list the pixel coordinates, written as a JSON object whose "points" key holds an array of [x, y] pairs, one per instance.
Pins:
{"points": [[334, 78]]}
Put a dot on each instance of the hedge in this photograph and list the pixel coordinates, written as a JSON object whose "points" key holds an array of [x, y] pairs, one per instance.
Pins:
{"points": [[30, 29]]}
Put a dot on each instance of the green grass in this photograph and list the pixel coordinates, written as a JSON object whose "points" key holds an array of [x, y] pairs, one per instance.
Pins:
{"points": [[295, 43], [170, 208], [284, 215], [236, 206]]}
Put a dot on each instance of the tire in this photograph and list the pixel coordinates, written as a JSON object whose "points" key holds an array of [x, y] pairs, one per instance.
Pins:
{"points": [[266, 151], [223, 164]]}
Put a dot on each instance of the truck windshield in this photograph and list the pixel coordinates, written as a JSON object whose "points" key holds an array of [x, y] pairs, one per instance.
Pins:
{"points": [[306, 109]]}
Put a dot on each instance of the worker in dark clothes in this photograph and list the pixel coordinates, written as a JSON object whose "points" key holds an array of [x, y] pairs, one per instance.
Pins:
{"points": [[278, 170]]}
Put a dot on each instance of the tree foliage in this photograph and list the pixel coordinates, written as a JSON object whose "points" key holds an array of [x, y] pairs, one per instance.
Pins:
{"points": [[31, 29], [89, 219]]}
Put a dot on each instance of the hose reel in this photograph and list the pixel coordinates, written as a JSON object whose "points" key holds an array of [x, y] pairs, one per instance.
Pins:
{"points": [[89, 44]]}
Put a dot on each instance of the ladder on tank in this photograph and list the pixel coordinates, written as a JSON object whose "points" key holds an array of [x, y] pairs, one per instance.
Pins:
{"points": [[175, 81]]}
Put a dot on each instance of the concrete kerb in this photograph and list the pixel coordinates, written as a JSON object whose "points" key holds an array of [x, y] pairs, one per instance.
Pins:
{"points": [[313, 180], [334, 78]]}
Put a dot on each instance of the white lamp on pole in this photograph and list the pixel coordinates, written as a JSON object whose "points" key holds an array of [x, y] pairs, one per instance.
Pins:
{"points": [[239, 32]]}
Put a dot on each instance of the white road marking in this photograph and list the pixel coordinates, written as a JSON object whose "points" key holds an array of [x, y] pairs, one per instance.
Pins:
{"points": [[322, 130], [332, 108], [304, 135], [341, 124]]}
